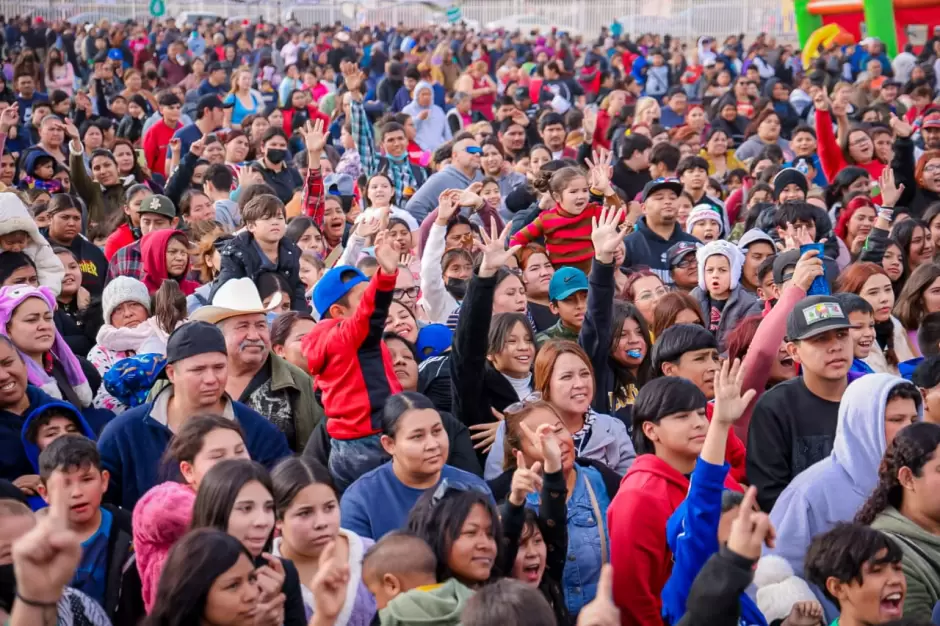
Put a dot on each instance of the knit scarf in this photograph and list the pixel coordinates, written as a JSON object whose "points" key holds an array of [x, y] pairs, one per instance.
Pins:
{"points": [[399, 169], [124, 339]]}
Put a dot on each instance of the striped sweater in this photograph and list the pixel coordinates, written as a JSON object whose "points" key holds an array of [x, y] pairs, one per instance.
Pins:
{"points": [[567, 237]]}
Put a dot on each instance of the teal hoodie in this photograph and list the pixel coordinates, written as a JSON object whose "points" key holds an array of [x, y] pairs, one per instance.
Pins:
{"points": [[440, 606]]}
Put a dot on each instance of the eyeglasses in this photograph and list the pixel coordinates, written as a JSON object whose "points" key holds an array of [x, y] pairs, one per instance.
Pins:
{"points": [[686, 262], [473, 150], [447, 485], [529, 400], [411, 292]]}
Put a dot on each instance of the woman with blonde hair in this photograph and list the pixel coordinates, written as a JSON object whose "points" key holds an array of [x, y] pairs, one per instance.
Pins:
{"points": [[243, 99], [477, 82], [646, 111]]}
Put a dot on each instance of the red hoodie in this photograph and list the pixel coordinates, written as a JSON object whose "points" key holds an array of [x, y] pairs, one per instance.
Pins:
{"points": [[636, 520], [153, 254]]}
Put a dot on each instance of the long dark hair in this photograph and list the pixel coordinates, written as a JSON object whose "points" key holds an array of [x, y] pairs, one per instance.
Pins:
{"points": [[438, 518], [913, 447], [293, 475], [624, 311], [193, 565], [190, 439], [219, 489]]}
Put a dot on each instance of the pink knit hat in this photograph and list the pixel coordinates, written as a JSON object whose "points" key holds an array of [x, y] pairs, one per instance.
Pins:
{"points": [[161, 517]]}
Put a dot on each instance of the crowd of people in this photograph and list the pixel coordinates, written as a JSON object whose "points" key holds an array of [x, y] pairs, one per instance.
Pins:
{"points": [[315, 325]]}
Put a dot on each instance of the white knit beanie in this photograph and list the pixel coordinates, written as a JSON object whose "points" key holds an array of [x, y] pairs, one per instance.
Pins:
{"points": [[703, 212], [778, 589], [120, 290], [725, 249]]}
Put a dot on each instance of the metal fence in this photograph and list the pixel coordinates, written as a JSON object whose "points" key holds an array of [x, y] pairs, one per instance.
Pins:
{"points": [[686, 19]]}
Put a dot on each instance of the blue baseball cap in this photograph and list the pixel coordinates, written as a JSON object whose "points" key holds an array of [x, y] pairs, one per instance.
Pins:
{"points": [[433, 340], [332, 287], [565, 282]]}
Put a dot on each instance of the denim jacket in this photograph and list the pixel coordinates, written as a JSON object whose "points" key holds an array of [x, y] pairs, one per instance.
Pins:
{"points": [[583, 567]]}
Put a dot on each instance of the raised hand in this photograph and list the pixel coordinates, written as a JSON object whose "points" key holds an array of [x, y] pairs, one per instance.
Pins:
{"points": [[329, 586], [821, 100], [470, 199], [175, 145], [890, 191], [369, 225], [601, 611], [808, 268], [900, 128], [607, 232], [589, 123], [198, 146], [9, 117], [524, 480], [546, 442], [805, 613], [447, 205], [71, 130], [797, 236], [45, 558], [600, 171], [385, 254], [315, 139], [495, 253], [730, 403], [483, 436], [406, 260], [352, 77], [751, 530]]}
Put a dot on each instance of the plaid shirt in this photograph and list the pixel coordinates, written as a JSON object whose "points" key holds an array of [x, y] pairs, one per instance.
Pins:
{"points": [[371, 161], [314, 196], [127, 262]]}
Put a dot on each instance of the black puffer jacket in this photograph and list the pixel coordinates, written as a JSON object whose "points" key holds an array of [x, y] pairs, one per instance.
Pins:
{"points": [[241, 258]]}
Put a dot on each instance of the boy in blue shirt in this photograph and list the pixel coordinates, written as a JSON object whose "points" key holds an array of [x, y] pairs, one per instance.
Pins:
{"points": [[105, 531]]}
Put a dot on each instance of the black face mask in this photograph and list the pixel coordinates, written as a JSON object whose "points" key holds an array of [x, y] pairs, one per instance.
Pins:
{"points": [[276, 155], [457, 287]]}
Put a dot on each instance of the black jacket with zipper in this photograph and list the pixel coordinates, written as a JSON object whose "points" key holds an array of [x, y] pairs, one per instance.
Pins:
{"points": [[241, 258]]}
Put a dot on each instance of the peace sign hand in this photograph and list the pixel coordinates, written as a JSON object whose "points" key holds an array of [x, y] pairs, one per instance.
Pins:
{"points": [[45, 558], [607, 233], [495, 253], [524, 480]]}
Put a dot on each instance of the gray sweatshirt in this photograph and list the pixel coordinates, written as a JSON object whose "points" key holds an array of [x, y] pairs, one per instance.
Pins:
{"points": [[425, 199]]}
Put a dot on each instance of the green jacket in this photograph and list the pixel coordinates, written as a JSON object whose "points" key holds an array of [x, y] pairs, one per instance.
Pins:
{"points": [[307, 411], [921, 562], [102, 203], [440, 606], [556, 331]]}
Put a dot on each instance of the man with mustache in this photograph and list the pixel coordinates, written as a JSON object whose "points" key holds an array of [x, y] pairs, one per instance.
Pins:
{"points": [[258, 378]]}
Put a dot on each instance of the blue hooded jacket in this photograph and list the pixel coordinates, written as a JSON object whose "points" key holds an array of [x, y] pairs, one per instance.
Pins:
{"points": [[692, 535], [14, 462], [833, 489], [32, 450]]}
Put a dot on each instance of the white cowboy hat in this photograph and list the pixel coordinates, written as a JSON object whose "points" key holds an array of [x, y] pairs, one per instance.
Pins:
{"points": [[235, 297]]}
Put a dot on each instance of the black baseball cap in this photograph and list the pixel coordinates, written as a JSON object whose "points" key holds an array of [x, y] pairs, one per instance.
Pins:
{"points": [[193, 339], [210, 102], [215, 66], [784, 264], [815, 315], [677, 251], [661, 183]]}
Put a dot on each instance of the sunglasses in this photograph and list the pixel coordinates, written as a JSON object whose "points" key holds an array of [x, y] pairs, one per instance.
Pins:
{"points": [[448, 486], [473, 150]]}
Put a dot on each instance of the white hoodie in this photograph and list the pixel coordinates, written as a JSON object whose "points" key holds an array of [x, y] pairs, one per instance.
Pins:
{"points": [[14, 216]]}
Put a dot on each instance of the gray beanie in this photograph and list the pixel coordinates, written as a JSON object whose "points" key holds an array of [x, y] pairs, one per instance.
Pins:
{"points": [[120, 290]]}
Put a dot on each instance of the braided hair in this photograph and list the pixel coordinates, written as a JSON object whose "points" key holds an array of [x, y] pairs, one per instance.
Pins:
{"points": [[913, 448]]}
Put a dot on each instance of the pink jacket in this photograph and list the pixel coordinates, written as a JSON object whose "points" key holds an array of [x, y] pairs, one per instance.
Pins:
{"points": [[161, 517]]}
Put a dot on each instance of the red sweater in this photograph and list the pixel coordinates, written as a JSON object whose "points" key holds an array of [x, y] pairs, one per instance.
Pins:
{"points": [[830, 154], [567, 237], [155, 142], [636, 520], [351, 364]]}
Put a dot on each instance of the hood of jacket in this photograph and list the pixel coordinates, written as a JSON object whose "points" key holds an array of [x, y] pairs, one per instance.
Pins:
{"points": [[14, 216], [32, 450], [153, 255], [860, 433], [649, 467], [440, 605], [418, 88], [32, 156]]}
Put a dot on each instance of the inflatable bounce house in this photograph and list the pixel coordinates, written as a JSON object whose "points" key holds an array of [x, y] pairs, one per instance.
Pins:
{"points": [[894, 22]]}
